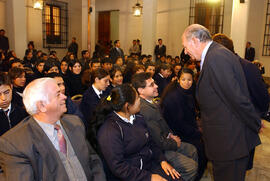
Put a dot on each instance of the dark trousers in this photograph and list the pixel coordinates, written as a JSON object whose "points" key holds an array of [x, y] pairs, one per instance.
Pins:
{"points": [[233, 170]]}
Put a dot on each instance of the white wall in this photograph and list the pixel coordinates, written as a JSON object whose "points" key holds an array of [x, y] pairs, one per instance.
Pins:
{"points": [[172, 19], [239, 26], [114, 25], [77, 26], [130, 27]]}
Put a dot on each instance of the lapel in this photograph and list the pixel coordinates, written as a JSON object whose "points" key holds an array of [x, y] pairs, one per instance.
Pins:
{"points": [[154, 106], [45, 148], [205, 63]]}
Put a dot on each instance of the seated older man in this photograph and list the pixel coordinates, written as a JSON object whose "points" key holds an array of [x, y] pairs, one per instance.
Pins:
{"points": [[49, 145]]}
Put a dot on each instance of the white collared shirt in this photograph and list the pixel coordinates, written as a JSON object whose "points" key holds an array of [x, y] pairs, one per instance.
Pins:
{"points": [[204, 53], [9, 109], [160, 75], [131, 118], [97, 91], [151, 101], [50, 132]]}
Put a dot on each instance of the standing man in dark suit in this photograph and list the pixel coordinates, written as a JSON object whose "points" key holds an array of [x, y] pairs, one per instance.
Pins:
{"points": [[229, 121], [73, 47], [160, 49], [250, 52], [116, 51], [48, 146], [4, 44]]}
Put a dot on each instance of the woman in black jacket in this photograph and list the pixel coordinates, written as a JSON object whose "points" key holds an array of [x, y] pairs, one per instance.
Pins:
{"points": [[124, 140], [178, 108], [74, 79]]}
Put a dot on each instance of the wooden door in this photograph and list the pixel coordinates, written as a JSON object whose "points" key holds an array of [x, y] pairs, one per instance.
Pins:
{"points": [[104, 27]]}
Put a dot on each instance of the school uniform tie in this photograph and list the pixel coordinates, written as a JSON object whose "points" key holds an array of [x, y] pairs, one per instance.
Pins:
{"points": [[6, 112], [61, 139]]}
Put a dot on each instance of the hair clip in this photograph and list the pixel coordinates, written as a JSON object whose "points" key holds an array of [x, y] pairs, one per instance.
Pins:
{"points": [[109, 98]]}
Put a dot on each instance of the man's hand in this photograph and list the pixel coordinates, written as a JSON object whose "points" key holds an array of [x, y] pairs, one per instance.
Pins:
{"points": [[169, 170]]}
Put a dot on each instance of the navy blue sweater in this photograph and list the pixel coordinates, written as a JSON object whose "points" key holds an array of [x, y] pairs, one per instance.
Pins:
{"points": [[178, 108], [123, 145]]}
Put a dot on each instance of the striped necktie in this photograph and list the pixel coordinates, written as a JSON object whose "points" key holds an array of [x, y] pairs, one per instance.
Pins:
{"points": [[61, 139]]}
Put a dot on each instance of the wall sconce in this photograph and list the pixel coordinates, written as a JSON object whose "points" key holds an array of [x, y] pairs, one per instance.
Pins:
{"points": [[137, 9], [38, 4]]}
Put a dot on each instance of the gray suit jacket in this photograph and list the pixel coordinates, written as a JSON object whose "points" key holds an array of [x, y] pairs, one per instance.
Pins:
{"points": [[157, 126], [229, 121], [26, 153]]}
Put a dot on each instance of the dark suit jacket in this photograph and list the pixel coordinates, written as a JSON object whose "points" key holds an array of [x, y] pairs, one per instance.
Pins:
{"points": [[114, 54], [160, 51], [89, 102], [4, 44], [161, 83], [229, 121], [26, 153], [157, 126], [16, 115], [257, 88], [250, 54], [178, 109]]}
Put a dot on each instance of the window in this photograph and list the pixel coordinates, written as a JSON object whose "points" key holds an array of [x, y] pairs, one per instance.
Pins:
{"points": [[209, 13], [55, 25], [266, 40]]}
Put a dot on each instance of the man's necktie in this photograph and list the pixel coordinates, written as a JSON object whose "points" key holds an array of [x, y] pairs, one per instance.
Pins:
{"points": [[6, 112], [61, 139]]}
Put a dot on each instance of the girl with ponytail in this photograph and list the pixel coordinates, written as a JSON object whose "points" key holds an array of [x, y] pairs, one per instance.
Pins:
{"points": [[124, 141]]}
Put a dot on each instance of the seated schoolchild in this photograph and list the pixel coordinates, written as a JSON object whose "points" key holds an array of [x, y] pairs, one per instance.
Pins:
{"points": [[125, 142], [100, 80], [178, 108], [10, 113], [163, 72], [18, 80]]}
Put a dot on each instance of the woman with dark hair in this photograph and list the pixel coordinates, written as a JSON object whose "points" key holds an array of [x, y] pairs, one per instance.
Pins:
{"points": [[74, 79], [161, 77], [51, 66], [38, 69], [129, 71], [124, 139], [64, 68], [178, 108], [17, 77], [100, 80], [116, 76]]}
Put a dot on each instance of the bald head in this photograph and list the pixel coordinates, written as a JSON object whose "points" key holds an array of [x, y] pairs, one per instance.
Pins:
{"points": [[197, 31], [194, 40]]}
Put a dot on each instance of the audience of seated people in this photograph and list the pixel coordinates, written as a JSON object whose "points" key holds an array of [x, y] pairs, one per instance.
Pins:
{"points": [[95, 78]]}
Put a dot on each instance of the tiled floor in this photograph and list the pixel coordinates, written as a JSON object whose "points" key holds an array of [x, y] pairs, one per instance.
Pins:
{"points": [[261, 167]]}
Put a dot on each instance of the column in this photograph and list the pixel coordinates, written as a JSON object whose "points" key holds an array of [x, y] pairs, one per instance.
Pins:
{"points": [[149, 26], [16, 26]]}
